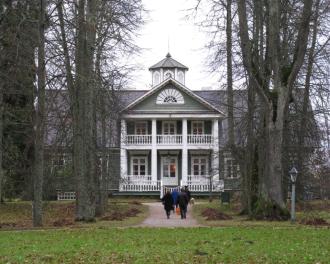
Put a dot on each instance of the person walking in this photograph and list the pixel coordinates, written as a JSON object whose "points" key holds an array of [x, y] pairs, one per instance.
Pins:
{"points": [[188, 195], [183, 203], [168, 203], [175, 194]]}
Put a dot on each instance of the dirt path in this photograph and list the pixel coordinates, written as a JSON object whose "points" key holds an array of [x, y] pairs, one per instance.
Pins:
{"points": [[157, 218]]}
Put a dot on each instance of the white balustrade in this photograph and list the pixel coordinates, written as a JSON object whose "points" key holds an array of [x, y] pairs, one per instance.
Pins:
{"points": [[138, 139], [203, 185], [61, 196], [140, 186], [169, 139], [202, 139]]}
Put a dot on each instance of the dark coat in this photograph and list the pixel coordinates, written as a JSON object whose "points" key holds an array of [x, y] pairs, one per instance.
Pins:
{"points": [[182, 200], [168, 202], [175, 194]]}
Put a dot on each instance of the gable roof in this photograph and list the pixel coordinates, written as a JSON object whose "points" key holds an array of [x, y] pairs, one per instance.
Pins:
{"points": [[168, 62], [181, 87]]}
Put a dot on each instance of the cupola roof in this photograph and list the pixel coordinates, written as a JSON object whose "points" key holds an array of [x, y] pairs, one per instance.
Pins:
{"points": [[168, 62]]}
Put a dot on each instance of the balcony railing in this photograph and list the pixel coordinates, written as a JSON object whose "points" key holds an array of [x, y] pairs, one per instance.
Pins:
{"points": [[137, 185], [203, 185], [203, 139], [169, 139], [200, 139], [138, 139]]}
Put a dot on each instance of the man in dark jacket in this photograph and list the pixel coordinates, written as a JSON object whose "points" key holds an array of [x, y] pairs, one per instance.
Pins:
{"points": [[168, 203], [183, 203]]}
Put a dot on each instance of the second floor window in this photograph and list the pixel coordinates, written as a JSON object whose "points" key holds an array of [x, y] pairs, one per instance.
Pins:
{"points": [[141, 128], [197, 127], [169, 128]]}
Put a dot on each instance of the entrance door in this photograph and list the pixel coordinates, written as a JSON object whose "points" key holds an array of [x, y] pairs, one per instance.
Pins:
{"points": [[170, 170]]}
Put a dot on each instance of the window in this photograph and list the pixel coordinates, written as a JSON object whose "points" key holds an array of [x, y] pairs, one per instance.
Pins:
{"points": [[170, 96], [169, 128], [139, 166], [199, 166], [141, 128], [232, 169], [180, 77], [197, 127], [156, 79]]}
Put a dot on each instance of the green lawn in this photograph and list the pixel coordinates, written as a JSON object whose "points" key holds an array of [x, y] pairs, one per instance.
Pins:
{"points": [[179, 245], [315, 209]]}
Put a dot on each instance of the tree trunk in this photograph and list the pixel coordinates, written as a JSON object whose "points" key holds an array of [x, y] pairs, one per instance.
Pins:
{"points": [[304, 117], [1, 139], [38, 168], [84, 160]]}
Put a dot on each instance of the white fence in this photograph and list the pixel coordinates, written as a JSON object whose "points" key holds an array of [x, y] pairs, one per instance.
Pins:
{"points": [[203, 185], [61, 196], [169, 139], [138, 139], [200, 139], [140, 186]]}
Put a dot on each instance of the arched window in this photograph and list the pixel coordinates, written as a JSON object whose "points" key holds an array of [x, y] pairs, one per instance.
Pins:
{"points": [[180, 77], [170, 96], [156, 78]]}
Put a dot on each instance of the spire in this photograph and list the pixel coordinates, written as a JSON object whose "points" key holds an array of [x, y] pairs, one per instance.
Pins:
{"points": [[168, 55]]}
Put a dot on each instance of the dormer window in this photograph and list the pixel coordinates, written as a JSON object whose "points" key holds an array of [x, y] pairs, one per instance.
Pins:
{"points": [[181, 77], [156, 78], [170, 96]]}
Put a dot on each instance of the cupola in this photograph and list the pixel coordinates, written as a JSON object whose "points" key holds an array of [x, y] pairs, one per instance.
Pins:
{"points": [[168, 68]]}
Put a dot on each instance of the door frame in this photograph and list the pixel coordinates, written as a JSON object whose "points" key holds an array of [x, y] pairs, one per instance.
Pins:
{"points": [[176, 168]]}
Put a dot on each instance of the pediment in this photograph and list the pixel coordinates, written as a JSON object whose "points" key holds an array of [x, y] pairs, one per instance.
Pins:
{"points": [[171, 96]]}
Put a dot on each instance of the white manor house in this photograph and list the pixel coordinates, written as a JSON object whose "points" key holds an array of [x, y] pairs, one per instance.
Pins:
{"points": [[170, 136]]}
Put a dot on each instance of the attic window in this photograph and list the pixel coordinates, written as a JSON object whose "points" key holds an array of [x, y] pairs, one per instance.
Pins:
{"points": [[170, 96]]}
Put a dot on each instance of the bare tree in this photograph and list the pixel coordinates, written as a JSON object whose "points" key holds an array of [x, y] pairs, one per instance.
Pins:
{"points": [[39, 122]]}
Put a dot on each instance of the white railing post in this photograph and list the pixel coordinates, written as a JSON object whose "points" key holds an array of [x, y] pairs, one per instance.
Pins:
{"points": [[154, 150]]}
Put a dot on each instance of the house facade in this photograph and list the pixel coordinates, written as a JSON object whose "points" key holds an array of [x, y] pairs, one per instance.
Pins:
{"points": [[165, 137], [170, 136]]}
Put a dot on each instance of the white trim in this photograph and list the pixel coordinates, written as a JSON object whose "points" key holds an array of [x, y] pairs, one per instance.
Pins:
{"points": [[146, 165], [176, 169], [179, 86], [197, 122], [167, 115]]}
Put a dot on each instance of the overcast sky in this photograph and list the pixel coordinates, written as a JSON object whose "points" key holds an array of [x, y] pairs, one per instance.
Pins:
{"points": [[166, 21]]}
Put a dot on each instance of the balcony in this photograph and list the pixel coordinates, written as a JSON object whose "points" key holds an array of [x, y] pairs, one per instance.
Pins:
{"points": [[137, 140], [202, 139], [169, 139]]}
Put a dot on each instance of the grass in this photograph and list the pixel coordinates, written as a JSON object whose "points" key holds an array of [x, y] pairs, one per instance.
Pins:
{"points": [[156, 245], [304, 210], [18, 214]]}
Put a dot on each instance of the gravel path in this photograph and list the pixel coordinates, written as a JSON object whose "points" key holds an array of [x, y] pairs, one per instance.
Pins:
{"points": [[157, 218]]}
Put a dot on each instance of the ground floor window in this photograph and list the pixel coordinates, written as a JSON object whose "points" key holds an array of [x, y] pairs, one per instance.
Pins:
{"points": [[199, 166], [139, 166], [232, 169]]}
